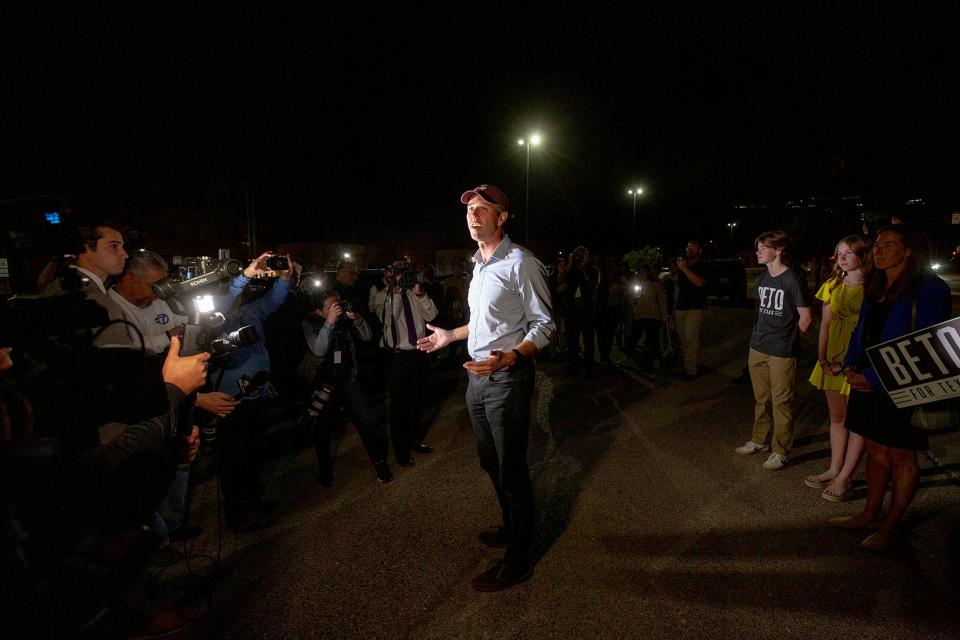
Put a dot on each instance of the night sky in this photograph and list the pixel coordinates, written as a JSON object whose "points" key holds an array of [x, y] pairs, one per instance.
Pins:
{"points": [[351, 124]]}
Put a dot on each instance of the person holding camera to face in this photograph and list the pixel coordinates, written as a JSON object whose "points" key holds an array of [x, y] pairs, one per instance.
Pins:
{"points": [[579, 282], [404, 308], [241, 432], [331, 368], [691, 303]]}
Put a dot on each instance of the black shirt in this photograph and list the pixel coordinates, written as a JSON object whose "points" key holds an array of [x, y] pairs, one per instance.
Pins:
{"points": [[689, 295]]}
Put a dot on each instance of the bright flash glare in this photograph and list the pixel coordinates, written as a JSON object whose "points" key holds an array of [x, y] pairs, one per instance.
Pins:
{"points": [[204, 304]]}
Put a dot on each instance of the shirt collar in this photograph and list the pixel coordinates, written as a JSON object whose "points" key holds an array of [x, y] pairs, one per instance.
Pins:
{"points": [[499, 253]]}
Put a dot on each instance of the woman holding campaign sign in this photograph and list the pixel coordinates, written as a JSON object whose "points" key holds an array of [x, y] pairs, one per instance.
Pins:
{"points": [[896, 291], [842, 295]]}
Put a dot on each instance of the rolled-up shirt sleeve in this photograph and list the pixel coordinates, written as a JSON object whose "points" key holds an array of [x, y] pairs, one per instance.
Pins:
{"points": [[537, 304]]}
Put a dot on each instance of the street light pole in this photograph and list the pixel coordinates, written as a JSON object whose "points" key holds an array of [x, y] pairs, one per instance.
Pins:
{"points": [[633, 233], [731, 225], [532, 141]]}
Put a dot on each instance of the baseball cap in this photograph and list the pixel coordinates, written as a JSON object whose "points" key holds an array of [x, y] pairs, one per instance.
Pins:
{"points": [[488, 192]]}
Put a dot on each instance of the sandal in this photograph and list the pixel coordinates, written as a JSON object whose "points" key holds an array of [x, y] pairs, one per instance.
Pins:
{"points": [[813, 483], [837, 496]]}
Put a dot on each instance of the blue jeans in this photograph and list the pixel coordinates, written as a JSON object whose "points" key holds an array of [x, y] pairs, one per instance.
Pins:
{"points": [[173, 509], [499, 408]]}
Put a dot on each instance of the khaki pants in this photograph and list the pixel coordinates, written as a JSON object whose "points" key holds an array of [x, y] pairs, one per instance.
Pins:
{"points": [[773, 380], [688, 328]]}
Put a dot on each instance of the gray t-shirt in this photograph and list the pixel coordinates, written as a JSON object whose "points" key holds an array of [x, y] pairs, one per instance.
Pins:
{"points": [[776, 332]]}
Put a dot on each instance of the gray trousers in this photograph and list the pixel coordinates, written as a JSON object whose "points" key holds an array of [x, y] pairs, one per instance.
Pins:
{"points": [[499, 407]]}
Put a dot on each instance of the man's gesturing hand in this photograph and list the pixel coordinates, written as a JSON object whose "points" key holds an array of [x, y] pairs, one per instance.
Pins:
{"points": [[188, 373], [436, 340]]}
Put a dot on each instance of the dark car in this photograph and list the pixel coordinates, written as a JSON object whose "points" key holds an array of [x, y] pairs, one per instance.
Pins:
{"points": [[726, 278]]}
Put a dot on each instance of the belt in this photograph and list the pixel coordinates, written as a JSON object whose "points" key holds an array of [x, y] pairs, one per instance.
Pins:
{"points": [[405, 352]]}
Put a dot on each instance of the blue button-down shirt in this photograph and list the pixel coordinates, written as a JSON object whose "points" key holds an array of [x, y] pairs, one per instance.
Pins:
{"points": [[509, 301]]}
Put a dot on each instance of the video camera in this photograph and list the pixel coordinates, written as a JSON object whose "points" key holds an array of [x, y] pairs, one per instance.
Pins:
{"points": [[55, 357], [216, 274], [204, 333], [204, 330], [402, 276]]}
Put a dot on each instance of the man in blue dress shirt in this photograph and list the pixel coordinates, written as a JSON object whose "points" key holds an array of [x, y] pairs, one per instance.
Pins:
{"points": [[510, 320]]}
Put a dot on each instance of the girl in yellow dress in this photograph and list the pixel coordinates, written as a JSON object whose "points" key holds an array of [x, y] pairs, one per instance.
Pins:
{"points": [[841, 295]]}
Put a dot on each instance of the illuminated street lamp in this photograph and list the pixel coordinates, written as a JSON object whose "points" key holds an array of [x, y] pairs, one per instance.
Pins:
{"points": [[532, 141], [731, 225], [633, 234]]}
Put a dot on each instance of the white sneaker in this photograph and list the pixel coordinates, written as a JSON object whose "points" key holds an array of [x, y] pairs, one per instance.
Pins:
{"points": [[775, 461], [750, 448]]}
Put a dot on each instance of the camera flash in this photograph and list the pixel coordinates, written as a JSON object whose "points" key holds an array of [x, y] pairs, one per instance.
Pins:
{"points": [[636, 288], [316, 283], [204, 304]]}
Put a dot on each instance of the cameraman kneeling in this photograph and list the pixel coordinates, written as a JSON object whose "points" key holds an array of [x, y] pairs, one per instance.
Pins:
{"points": [[404, 308], [330, 337]]}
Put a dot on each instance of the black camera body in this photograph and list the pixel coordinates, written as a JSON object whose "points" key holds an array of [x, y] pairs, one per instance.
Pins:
{"points": [[278, 263], [204, 333], [404, 276]]}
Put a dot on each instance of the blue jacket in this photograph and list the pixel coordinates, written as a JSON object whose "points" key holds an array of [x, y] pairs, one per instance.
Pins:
{"points": [[248, 360], [933, 306]]}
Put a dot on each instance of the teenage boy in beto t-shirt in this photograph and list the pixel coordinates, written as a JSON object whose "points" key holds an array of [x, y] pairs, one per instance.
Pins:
{"points": [[783, 313]]}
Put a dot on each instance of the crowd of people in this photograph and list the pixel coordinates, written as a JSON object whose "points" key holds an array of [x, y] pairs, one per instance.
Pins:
{"points": [[506, 312]]}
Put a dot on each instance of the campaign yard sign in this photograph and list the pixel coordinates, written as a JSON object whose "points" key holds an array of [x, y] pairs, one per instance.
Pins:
{"points": [[920, 367]]}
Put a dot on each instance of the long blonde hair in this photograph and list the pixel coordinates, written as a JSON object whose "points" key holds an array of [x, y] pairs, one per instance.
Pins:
{"points": [[861, 248]]}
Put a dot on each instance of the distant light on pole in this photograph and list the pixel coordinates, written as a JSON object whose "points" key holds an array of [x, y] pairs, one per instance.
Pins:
{"points": [[636, 192], [731, 225], [533, 141]]}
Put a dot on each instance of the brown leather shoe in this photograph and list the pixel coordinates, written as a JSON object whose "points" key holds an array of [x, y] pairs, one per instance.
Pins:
{"points": [[499, 577]]}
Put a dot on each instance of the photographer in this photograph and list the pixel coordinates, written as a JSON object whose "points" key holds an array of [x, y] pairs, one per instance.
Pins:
{"points": [[404, 308], [580, 281], [241, 434], [331, 366], [690, 305], [348, 275]]}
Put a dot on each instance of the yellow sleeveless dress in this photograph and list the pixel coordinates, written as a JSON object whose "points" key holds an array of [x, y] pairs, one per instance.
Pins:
{"points": [[844, 304]]}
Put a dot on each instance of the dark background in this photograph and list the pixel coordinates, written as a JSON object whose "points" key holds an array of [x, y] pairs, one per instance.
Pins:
{"points": [[357, 123]]}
